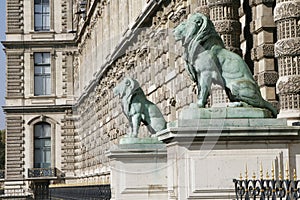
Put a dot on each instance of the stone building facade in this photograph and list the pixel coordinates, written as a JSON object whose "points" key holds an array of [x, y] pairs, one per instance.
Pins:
{"points": [[65, 56]]}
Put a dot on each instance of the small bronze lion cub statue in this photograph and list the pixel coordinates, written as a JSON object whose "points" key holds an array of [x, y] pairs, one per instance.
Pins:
{"points": [[137, 108]]}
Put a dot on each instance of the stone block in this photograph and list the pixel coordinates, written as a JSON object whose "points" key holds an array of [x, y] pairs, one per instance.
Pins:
{"points": [[193, 112], [205, 155], [138, 171]]}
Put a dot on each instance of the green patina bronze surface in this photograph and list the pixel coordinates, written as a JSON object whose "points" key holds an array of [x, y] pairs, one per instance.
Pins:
{"points": [[207, 61], [193, 112], [146, 140], [138, 109]]}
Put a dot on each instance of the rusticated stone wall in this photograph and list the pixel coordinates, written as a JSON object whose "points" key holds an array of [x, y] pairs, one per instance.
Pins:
{"points": [[14, 16], [263, 30], [108, 53], [68, 142], [15, 75], [154, 59], [15, 156]]}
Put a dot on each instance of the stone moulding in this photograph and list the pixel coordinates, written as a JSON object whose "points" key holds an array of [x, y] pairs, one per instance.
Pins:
{"points": [[227, 26], [288, 84], [287, 47], [267, 78], [223, 2], [287, 9], [192, 130]]}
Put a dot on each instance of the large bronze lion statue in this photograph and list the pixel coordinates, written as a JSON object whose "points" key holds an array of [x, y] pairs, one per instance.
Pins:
{"points": [[137, 108], [207, 61]]}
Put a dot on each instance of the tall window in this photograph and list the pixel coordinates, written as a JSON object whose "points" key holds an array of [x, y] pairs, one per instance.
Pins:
{"points": [[42, 145], [42, 74], [41, 15]]}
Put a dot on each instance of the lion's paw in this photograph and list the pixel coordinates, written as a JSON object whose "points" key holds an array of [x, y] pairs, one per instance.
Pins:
{"points": [[237, 104]]}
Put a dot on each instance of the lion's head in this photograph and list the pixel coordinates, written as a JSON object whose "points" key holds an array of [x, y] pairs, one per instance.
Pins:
{"points": [[197, 28], [126, 87]]}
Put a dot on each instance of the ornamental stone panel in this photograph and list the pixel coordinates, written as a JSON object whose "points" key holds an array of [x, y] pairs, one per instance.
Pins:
{"points": [[287, 51]]}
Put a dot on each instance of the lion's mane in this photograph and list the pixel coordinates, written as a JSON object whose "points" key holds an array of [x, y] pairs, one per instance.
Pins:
{"points": [[204, 37]]}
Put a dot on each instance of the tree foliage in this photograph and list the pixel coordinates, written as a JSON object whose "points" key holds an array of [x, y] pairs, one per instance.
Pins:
{"points": [[2, 149]]}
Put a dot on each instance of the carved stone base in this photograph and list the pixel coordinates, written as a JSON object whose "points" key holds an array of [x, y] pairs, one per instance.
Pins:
{"points": [[205, 155], [138, 171]]}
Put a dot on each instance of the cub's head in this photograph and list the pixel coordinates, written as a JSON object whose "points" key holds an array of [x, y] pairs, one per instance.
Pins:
{"points": [[126, 87]]}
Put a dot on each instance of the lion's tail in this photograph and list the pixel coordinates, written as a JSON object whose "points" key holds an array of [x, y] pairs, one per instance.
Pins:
{"points": [[270, 107]]}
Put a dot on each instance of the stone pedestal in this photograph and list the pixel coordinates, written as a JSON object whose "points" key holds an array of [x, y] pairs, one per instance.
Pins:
{"points": [[205, 154], [138, 170]]}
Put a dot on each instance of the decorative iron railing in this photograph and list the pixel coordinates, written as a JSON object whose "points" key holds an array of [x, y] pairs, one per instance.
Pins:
{"points": [[269, 188], [2, 174], [101, 192], [41, 172]]}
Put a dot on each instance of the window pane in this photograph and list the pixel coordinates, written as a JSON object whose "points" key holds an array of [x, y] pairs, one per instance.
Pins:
{"points": [[47, 157], [37, 156], [37, 143], [38, 58], [42, 19], [48, 86], [37, 130], [45, 165], [38, 22], [47, 143], [38, 70], [38, 8], [47, 130], [38, 85], [46, 22], [46, 58], [42, 69], [42, 145], [46, 8], [47, 70]]}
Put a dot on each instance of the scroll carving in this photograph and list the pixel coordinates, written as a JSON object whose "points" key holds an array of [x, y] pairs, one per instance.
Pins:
{"points": [[287, 10], [287, 47], [288, 85]]}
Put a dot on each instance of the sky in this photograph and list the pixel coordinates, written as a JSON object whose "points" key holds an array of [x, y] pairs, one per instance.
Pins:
{"points": [[2, 62]]}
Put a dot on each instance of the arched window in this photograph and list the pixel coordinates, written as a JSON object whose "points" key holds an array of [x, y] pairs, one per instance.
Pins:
{"points": [[42, 145]]}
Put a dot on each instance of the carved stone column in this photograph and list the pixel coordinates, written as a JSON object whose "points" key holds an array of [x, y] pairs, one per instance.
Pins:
{"points": [[262, 28], [225, 17], [202, 7], [287, 52], [224, 14]]}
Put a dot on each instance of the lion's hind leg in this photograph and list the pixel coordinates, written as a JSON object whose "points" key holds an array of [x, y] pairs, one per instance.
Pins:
{"points": [[249, 93], [154, 119]]}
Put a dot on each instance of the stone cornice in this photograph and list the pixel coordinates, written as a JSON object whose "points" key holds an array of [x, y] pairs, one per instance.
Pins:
{"points": [[122, 46], [36, 109], [193, 134], [30, 44]]}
